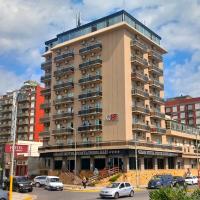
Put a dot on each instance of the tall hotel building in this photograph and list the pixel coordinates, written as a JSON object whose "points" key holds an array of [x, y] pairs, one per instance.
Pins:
{"points": [[104, 92]]}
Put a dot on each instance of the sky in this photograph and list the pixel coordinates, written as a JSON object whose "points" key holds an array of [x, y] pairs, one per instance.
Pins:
{"points": [[26, 24]]}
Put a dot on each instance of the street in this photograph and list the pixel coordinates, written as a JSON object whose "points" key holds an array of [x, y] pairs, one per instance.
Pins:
{"points": [[65, 195]]}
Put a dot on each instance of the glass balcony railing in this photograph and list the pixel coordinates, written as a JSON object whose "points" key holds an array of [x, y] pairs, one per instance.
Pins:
{"points": [[63, 115], [90, 128], [46, 77], [139, 61], [46, 65], [156, 99], [155, 55], [65, 56], [139, 126], [62, 131], [157, 114], [23, 114], [64, 99], [68, 85], [45, 133], [90, 95], [46, 90], [139, 45], [46, 104], [140, 109], [63, 71], [92, 63], [24, 122], [155, 69], [90, 111], [156, 84], [90, 79], [90, 48], [139, 76], [140, 93], [45, 119], [158, 130]]}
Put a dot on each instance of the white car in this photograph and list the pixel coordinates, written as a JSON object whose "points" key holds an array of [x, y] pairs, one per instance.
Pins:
{"points": [[191, 180], [116, 190], [53, 183], [39, 181]]}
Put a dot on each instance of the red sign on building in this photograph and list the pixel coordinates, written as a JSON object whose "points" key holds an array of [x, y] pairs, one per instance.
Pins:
{"points": [[18, 148]]}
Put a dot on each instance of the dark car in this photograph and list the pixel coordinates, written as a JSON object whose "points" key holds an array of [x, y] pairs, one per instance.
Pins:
{"points": [[20, 184], [179, 181], [159, 181]]}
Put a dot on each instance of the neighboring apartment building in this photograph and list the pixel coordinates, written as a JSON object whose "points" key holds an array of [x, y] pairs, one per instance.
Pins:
{"points": [[29, 101], [104, 91], [184, 109]]}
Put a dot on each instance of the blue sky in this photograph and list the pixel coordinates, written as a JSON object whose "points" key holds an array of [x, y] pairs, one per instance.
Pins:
{"points": [[25, 25]]}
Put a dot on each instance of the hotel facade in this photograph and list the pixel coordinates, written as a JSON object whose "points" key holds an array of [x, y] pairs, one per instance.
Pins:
{"points": [[104, 101]]}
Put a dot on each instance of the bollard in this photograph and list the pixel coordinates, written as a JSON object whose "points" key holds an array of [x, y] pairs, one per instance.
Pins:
{"points": [[28, 198]]}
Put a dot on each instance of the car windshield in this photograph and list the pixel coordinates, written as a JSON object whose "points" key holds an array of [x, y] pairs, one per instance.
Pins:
{"points": [[22, 179], [156, 178], [54, 180], [188, 178], [113, 185]]}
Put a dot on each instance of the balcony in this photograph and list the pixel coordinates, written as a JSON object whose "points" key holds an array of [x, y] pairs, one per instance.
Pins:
{"points": [[23, 99], [90, 111], [6, 110], [46, 91], [140, 127], [90, 128], [156, 99], [156, 84], [6, 117], [158, 130], [61, 86], [155, 55], [140, 93], [90, 95], [23, 106], [64, 100], [62, 131], [140, 110], [5, 125], [139, 77], [45, 119], [44, 133], [5, 133], [90, 79], [157, 115], [91, 48], [138, 45], [45, 105], [23, 122], [25, 114], [64, 71], [90, 64], [155, 69], [7, 103], [63, 115], [22, 130], [46, 77], [65, 56], [46, 65], [139, 61]]}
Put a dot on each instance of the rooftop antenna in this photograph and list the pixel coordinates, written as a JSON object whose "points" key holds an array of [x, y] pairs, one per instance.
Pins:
{"points": [[78, 19]]}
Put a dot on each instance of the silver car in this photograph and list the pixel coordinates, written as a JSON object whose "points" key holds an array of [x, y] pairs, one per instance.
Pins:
{"points": [[3, 195], [116, 190], [39, 181]]}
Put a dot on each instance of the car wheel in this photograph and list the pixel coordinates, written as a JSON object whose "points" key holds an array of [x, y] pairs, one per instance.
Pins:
{"points": [[116, 195], [131, 193], [37, 185], [30, 190]]}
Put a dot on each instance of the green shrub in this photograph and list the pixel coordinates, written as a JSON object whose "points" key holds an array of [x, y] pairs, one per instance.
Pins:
{"points": [[196, 195], [114, 178]]}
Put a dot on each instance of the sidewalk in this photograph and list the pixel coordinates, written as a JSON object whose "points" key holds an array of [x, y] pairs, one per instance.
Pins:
{"points": [[21, 196], [79, 188]]}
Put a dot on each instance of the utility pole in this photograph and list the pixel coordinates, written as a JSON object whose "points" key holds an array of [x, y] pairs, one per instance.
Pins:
{"points": [[13, 138]]}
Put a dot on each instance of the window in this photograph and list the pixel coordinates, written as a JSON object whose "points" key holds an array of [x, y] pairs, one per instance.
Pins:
{"points": [[183, 121], [198, 113], [148, 163], [182, 108], [122, 185], [198, 121], [175, 117], [168, 110], [127, 185], [189, 107], [191, 122], [197, 106], [174, 109], [98, 139], [182, 115]]}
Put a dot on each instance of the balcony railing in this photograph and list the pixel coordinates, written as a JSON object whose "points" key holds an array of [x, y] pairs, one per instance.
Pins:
{"points": [[140, 93], [156, 114], [63, 115], [155, 69], [45, 119], [91, 63], [46, 90], [64, 100], [24, 130], [44, 133], [158, 130], [46, 65], [63, 71], [23, 106], [62, 131], [45, 105], [136, 43], [90, 128], [6, 117], [65, 56], [23, 114], [140, 77], [90, 111], [6, 110], [90, 95], [5, 125], [156, 99], [156, 84], [139, 61], [91, 48], [140, 127], [155, 55], [23, 99], [59, 86], [46, 77], [24, 122], [142, 110], [90, 79]]}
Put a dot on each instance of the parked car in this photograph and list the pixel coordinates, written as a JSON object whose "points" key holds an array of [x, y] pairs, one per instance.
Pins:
{"points": [[159, 181], [116, 190], [3, 195], [39, 181], [179, 181], [20, 184], [53, 183], [191, 180]]}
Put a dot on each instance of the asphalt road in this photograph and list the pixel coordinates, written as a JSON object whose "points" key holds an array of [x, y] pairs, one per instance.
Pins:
{"points": [[65, 195]]}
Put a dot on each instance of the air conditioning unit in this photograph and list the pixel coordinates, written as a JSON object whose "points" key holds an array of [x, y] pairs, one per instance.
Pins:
{"points": [[65, 91]]}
